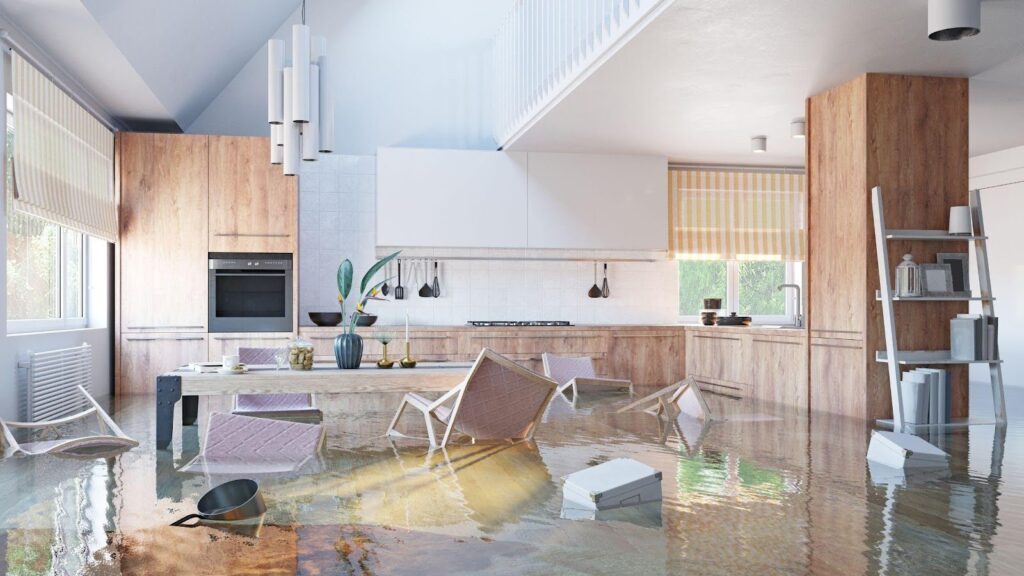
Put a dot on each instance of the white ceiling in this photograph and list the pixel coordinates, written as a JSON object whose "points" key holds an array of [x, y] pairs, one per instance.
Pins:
{"points": [[157, 62], [707, 75]]}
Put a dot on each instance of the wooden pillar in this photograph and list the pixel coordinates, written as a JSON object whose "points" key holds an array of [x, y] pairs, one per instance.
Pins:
{"points": [[907, 134]]}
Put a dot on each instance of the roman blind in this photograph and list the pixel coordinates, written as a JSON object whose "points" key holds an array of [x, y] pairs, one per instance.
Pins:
{"points": [[63, 157], [736, 215]]}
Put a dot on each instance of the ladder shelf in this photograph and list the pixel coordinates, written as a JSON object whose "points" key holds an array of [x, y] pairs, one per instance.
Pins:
{"points": [[894, 358]]}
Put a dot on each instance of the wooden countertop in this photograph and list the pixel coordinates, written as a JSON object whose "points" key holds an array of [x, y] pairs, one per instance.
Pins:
{"points": [[399, 329], [759, 330]]}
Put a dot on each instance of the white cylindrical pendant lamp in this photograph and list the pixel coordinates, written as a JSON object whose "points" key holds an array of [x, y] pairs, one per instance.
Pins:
{"points": [[953, 19], [276, 145], [311, 130], [759, 144], [300, 73], [291, 129], [326, 108], [275, 81]]}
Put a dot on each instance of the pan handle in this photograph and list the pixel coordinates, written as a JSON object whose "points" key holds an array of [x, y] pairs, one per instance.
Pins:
{"points": [[181, 521]]}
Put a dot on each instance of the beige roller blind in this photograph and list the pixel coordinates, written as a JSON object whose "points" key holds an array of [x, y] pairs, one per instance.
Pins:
{"points": [[63, 157], [736, 215]]}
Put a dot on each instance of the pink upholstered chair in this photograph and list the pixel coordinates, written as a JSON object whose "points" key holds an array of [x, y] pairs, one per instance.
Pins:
{"points": [[498, 400], [578, 372], [271, 405]]}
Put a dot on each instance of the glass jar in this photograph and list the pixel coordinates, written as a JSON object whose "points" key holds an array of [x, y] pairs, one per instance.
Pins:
{"points": [[908, 278], [300, 354]]}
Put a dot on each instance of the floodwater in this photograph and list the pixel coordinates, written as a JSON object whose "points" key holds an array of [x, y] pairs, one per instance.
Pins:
{"points": [[767, 491]]}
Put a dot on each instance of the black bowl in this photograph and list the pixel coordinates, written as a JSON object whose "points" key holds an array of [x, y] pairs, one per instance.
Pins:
{"points": [[325, 318], [365, 319]]}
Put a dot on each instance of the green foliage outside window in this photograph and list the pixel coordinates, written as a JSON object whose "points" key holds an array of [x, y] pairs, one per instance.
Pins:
{"points": [[758, 288], [698, 280]]}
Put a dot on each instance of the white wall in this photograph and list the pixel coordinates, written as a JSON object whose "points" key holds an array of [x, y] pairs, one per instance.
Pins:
{"points": [[337, 201], [405, 73], [1000, 176]]}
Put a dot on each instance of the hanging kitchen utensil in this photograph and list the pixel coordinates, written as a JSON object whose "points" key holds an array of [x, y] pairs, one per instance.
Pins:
{"points": [[594, 291], [399, 290], [235, 500], [426, 291], [604, 285], [384, 289], [437, 285]]}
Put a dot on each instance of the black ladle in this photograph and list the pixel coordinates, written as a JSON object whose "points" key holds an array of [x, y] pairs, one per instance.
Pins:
{"points": [[604, 285], [426, 291], [384, 289], [594, 291], [436, 292], [399, 289]]}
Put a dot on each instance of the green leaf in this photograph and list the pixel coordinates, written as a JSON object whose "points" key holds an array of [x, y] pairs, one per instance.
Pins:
{"points": [[345, 278], [374, 269]]}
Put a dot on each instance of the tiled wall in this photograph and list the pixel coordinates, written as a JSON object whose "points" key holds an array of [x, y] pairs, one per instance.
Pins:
{"points": [[337, 217]]}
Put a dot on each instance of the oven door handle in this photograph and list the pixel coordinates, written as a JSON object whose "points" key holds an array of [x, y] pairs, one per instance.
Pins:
{"points": [[251, 273]]}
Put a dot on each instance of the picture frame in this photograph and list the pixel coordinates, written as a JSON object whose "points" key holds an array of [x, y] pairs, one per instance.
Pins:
{"points": [[960, 267], [936, 280]]}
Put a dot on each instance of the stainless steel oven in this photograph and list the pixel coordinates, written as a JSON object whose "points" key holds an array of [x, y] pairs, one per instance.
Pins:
{"points": [[250, 292]]}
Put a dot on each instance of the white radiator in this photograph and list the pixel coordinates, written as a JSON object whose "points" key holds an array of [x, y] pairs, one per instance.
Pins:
{"points": [[53, 380]]}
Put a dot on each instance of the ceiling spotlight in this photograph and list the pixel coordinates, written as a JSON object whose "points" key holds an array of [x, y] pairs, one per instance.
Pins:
{"points": [[798, 128], [953, 19], [759, 144]]}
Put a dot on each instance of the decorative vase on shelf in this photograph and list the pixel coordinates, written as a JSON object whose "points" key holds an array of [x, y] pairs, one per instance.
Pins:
{"points": [[348, 350], [908, 278]]}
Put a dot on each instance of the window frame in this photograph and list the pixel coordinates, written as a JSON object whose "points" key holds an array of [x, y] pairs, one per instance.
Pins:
{"points": [[793, 275], [63, 294]]}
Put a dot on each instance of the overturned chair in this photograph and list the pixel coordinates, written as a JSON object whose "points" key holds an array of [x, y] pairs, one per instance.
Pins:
{"points": [[111, 438], [498, 400], [578, 373], [682, 398]]}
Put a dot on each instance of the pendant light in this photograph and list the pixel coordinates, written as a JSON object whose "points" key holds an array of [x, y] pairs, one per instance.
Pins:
{"points": [[953, 19], [300, 106], [759, 144]]}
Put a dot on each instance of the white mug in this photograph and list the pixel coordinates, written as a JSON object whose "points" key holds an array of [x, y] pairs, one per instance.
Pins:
{"points": [[229, 360], [960, 220]]}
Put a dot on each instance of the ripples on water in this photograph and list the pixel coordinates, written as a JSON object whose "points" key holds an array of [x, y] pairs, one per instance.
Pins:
{"points": [[768, 491]]}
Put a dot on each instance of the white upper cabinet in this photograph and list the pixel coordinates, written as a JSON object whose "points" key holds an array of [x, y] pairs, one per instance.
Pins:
{"points": [[481, 199], [451, 198], [597, 201]]}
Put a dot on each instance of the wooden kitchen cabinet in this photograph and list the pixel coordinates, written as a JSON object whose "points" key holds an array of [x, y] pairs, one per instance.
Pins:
{"points": [[253, 206], [778, 369], [646, 358], [222, 344], [162, 252], [716, 360], [145, 356]]}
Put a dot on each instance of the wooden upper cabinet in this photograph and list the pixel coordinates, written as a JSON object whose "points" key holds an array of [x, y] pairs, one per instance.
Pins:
{"points": [[163, 220], [253, 205]]}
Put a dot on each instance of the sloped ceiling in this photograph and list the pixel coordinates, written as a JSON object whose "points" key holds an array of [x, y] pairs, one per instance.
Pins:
{"points": [[154, 62]]}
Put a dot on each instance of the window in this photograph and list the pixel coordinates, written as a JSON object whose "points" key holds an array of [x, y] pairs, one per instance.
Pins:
{"points": [[747, 287], [45, 265]]}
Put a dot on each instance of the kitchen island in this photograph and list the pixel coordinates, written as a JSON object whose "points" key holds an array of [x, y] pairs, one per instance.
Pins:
{"points": [[186, 385]]}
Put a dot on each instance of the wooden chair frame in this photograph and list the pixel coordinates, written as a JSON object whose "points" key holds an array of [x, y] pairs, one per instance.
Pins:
{"points": [[663, 402], [437, 409], [116, 440]]}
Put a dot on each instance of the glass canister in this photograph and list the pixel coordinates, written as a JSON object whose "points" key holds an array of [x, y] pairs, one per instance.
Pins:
{"points": [[300, 354], [908, 278]]}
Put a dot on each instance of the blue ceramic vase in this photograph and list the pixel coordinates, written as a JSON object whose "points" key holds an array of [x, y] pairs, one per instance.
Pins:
{"points": [[348, 351]]}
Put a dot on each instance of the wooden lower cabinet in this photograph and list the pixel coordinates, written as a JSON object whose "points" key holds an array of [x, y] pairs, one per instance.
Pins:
{"points": [[763, 364], [144, 356], [222, 344], [646, 358], [837, 376]]}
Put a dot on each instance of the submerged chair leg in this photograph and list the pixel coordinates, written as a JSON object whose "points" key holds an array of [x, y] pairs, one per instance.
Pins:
{"points": [[398, 414]]}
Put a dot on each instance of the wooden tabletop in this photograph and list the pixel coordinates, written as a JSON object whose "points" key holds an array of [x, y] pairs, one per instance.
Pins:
{"points": [[326, 378]]}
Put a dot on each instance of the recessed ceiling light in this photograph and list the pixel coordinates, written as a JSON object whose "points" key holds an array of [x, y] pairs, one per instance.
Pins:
{"points": [[759, 144], [798, 128], [953, 19]]}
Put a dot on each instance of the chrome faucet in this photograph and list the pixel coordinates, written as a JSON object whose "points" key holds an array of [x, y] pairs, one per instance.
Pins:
{"points": [[799, 323]]}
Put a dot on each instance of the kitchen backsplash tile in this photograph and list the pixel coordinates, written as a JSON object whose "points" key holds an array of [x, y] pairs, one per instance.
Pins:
{"points": [[337, 219]]}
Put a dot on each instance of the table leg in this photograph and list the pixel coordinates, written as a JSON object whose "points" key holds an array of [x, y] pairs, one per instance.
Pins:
{"points": [[189, 410], [168, 392]]}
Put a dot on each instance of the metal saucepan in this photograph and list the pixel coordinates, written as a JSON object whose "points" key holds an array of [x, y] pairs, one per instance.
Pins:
{"points": [[235, 500]]}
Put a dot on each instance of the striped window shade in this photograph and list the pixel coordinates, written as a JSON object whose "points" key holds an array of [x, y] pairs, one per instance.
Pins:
{"points": [[63, 157], [736, 215]]}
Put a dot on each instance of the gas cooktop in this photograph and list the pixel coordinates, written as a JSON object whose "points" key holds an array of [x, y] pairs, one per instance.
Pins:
{"points": [[519, 323]]}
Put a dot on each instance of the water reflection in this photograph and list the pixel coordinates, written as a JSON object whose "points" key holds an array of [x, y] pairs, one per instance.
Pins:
{"points": [[767, 490]]}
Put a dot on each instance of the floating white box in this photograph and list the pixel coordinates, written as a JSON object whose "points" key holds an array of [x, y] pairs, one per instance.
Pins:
{"points": [[897, 450], [617, 483]]}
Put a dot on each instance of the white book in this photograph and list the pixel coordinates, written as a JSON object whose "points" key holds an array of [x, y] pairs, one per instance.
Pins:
{"points": [[916, 401], [938, 393]]}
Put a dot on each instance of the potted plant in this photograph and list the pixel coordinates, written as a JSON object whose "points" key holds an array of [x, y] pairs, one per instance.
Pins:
{"points": [[348, 346]]}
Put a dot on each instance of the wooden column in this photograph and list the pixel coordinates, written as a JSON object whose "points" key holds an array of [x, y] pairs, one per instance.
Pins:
{"points": [[907, 134]]}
